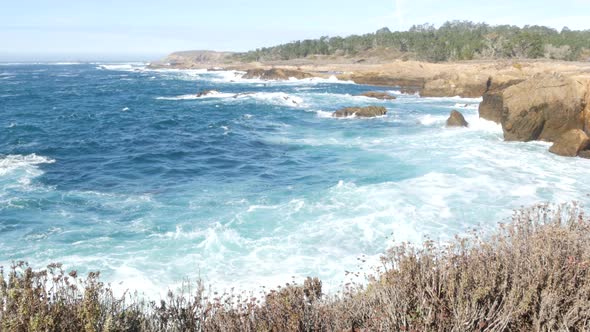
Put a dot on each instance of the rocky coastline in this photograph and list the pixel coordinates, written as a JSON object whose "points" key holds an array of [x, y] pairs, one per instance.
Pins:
{"points": [[532, 100]]}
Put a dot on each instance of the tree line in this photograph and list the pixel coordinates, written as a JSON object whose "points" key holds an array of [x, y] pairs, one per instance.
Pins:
{"points": [[454, 40]]}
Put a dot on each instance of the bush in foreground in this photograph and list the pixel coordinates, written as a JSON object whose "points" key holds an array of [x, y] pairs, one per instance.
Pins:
{"points": [[531, 274]]}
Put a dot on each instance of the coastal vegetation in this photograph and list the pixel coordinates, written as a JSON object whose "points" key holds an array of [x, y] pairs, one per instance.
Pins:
{"points": [[531, 274], [452, 41]]}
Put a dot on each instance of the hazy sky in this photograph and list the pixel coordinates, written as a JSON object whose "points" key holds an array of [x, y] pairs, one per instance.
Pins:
{"points": [[42, 29]]}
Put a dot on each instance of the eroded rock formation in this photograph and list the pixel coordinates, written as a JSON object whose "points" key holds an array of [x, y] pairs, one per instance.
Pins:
{"points": [[570, 143], [361, 112], [456, 119]]}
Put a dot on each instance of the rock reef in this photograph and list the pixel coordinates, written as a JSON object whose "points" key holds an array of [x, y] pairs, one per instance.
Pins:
{"points": [[378, 95], [361, 112]]}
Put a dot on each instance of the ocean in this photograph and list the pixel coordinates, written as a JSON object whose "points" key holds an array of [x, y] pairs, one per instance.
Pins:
{"points": [[122, 169]]}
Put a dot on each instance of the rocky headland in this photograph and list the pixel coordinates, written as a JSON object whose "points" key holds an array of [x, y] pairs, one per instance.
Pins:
{"points": [[532, 99]]}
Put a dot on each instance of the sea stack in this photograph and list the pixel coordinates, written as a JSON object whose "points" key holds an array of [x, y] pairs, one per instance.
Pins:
{"points": [[456, 119]]}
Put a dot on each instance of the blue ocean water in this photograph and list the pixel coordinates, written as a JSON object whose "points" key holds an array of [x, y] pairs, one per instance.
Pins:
{"points": [[124, 170]]}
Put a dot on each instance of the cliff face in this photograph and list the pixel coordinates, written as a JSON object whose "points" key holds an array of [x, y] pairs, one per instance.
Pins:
{"points": [[532, 100], [492, 102], [386, 79], [544, 107], [465, 84]]}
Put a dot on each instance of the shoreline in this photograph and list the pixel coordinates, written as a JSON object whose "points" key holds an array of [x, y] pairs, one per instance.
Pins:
{"points": [[546, 100], [445, 79]]}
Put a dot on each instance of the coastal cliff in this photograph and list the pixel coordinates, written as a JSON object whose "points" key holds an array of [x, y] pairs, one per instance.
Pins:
{"points": [[545, 107], [532, 100]]}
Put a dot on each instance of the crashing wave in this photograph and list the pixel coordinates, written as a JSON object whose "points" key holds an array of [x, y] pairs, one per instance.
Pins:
{"points": [[11, 163]]}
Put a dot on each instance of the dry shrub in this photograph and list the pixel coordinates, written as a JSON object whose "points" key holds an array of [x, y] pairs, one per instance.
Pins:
{"points": [[529, 275], [563, 52]]}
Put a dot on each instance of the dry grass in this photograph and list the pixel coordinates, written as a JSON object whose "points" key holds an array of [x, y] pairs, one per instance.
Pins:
{"points": [[532, 274]]}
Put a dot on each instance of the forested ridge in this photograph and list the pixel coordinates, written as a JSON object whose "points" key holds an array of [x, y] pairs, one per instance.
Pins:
{"points": [[452, 41]]}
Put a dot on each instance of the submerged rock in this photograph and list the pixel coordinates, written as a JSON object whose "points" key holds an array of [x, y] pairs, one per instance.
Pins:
{"points": [[361, 112], [207, 93], [456, 119], [378, 95], [276, 74], [570, 143]]}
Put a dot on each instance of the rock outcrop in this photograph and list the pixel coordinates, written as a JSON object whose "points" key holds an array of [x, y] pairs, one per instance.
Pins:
{"points": [[544, 108], [456, 119], [492, 103], [447, 87], [571, 143], [275, 74], [584, 154], [491, 106], [361, 112], [378, 95]]}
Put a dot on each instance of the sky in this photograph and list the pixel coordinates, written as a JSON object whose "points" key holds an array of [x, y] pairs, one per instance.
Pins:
{"points": [[148, 29]]}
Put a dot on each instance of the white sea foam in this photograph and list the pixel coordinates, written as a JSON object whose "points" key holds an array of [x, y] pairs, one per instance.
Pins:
{"points": [[213, 94], [233, 76], [273, 98], [430, 120], [478, 124], [134, 66], [473, 106], [324, 114], [475, 122], [71, 63], [458, 99], [399, 93], [28, 163], [279, 98]]}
